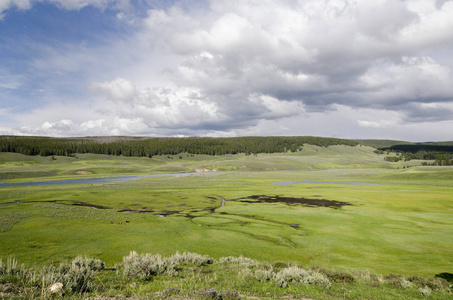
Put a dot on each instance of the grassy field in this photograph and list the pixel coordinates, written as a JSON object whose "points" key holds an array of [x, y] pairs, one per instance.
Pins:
{"points": [[340, 207]]}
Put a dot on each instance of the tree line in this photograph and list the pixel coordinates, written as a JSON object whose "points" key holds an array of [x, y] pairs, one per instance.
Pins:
{"points": [[149, 147], [442, 155]]}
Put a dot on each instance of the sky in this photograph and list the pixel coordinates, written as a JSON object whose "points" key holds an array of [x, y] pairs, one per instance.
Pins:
{"points": [[356, 69]]}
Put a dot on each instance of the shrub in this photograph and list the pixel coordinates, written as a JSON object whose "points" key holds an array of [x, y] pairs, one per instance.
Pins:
{"points": [[405, 284], [316, 278], [264, 275], [298, 275], [89, 263], [193, 258], [241, 260], [397, 281], [146, 265], [13, 273], [425, 291], [336, 276], [370, 279], [435, 284], [79, 275], [289, 275]]}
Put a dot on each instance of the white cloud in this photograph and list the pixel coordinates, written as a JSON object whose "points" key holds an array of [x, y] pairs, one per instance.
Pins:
{"points": [[250, 67], [119, 89], [19, 4]]}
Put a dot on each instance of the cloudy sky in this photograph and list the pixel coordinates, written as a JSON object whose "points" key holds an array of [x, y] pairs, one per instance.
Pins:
{"points": [[334, 68]]}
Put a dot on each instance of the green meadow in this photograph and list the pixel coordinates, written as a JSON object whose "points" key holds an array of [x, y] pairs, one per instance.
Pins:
{"points": [[340, 207]]}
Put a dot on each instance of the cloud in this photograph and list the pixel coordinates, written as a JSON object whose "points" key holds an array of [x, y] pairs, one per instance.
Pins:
{"points": [[251, 67], [19, 4], [318, 53], [119, 89]]}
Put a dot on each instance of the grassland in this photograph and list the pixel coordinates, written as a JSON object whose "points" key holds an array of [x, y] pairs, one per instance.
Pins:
{"points": [[401, 224]]}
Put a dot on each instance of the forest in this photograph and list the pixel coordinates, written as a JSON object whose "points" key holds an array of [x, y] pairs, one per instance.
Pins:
{"points": [[441, 154], [149, 147]]}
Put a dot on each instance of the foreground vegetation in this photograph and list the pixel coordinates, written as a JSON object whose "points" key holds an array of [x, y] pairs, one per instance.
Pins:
{"points": [[193, 276], [341, 216]]}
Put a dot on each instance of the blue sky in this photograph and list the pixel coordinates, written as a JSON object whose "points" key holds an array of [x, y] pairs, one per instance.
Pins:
{"points": [[341, 68]]}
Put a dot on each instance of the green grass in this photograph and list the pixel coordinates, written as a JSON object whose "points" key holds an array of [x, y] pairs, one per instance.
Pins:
{"points": [[192, 276], [401, 225]]}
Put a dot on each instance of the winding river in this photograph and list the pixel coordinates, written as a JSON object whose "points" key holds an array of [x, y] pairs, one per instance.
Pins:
{"points": [[92, 180], [127, 178]]}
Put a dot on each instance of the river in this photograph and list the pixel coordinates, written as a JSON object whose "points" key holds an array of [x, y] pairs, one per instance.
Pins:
{"points": [[91, 180]]}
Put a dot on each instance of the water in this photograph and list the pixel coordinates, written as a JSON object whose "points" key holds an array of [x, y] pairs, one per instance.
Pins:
{"points": [[127, 178], [91, 180], [4, 204]]}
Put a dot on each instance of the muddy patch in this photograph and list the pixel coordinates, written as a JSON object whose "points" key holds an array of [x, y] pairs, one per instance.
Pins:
{"points": [[292, 200]]}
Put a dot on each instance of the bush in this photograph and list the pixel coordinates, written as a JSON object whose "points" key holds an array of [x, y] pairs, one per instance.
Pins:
{"points": [[289, 275], [193, 258], [336, 276], [264, 275], [397, 281], [77, 276], [425, 291], [89, 263], [241, 260], [435, 284], [316, 278], [146, 265], [298, 275]]}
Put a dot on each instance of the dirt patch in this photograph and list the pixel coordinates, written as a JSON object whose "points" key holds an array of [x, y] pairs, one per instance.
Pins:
{"points": [[292, 200], [83, 172]]}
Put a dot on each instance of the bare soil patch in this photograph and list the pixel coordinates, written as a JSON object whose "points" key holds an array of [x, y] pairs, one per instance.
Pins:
{"points": [[292, 200]]}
